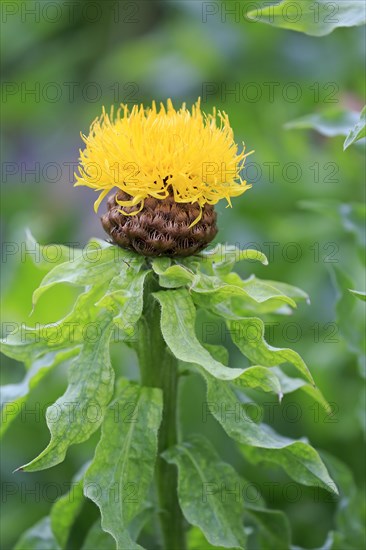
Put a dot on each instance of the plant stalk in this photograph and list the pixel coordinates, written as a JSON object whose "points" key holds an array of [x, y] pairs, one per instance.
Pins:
{"points": [[159, 369]]}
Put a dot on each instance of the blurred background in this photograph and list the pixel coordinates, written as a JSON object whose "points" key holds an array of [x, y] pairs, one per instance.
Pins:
{"points": [[61, 62]]}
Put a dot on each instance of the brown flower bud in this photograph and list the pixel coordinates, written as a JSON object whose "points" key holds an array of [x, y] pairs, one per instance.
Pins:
{"points": [[162, 228]]}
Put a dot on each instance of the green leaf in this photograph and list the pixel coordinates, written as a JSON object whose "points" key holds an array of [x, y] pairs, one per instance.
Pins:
{"points": [[261, 442], [266, 379], [178, 328], [95, 267], [248, 335], [79, 412], [13, 395], [285, 289], [26, 344], [358, 132], [223, 257], [122, 469], [274, 528], [314, 18], [349, 216], [124, 299], [234, 294], [178, 316], [172, 276], [203, 485], [259, 378], [67, 507], [273, 525], [256, 377], [346, 306], [44, 347], [97, 538], [197, 541], [330, 123], [351, 509], [38, 537], [289, 385], [360, 295], [47, 256]]}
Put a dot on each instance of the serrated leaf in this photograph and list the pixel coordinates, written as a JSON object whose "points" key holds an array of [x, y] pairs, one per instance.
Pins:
{"points": [[261, 442], [38, 537], [203, 480], [123, 466], [358, 132], [314, 18], [66, 508], [79, 412]]}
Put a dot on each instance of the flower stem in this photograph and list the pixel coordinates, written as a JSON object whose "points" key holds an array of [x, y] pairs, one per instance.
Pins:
{"points": [[159, 369]]}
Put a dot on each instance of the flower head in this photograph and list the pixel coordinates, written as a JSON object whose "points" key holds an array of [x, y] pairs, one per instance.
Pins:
{"points": [[159, 153]]}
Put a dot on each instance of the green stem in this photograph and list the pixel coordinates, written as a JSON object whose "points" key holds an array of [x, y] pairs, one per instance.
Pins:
{"points": [[159, 369]]}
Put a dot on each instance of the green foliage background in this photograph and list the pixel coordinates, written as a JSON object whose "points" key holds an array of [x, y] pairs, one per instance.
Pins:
{"points": [[161, 49]]}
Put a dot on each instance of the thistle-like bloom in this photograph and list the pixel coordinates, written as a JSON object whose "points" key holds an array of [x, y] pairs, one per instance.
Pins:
{"points": [[162, 162]]}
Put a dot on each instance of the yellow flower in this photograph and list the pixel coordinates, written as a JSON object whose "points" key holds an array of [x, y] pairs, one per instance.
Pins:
{"points": [[150, 152]]}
